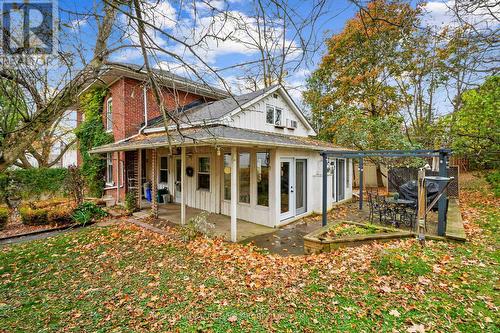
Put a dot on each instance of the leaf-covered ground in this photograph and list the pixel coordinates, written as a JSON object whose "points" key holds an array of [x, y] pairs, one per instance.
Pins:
{"points": [[124, 279]]}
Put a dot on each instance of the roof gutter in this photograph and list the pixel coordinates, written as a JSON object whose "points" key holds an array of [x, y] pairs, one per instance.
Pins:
{"points": [[219, 142]]}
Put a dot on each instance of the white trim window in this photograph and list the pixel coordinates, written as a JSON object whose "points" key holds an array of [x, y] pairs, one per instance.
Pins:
{"points": [[163, 176], [109, 169], [263, 164], [244, 177], [227, 176], [204, 173], [274, 115], [109, 115]]}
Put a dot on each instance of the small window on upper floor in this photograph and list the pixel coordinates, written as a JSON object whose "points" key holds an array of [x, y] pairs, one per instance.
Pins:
{"points": [[270, 115], [274, 116], [278, 117], [109, 115]]}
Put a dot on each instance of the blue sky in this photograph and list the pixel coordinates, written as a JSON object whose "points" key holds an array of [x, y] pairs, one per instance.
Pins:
{"points": [[219, 56], [178, 18]]}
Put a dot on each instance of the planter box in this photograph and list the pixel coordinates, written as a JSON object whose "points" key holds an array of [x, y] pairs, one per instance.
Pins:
{"points": [[317, 242]]}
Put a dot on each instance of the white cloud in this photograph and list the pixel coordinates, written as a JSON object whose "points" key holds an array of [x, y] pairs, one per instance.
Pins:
{"points": [[127, 55], [441, 13], [79, 23]]}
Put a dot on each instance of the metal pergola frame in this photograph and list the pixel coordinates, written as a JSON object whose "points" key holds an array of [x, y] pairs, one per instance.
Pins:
{"points": [[443, 155]]}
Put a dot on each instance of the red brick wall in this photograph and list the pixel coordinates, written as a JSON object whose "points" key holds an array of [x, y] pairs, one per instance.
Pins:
{"points": [[128, 115]]}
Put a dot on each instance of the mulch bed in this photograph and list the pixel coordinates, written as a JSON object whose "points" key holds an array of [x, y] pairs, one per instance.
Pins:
{"points": [[12, 230]]}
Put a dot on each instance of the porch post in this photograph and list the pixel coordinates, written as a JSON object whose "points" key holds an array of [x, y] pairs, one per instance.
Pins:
{"points": [[138, 176], [325, 189], [154, 185], [234, 193], [183, 185], [361, 183], [117, 177], [442, 203]]}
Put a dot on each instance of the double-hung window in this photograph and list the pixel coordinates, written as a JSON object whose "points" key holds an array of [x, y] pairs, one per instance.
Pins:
{"points": [[274, 115], [227, 176], [263, 179], [204, 173], [109, 115], [109, 169], [244, 175], [163, 169]]}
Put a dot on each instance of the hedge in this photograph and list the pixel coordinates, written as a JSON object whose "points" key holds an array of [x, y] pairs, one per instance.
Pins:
{"points": [[4, 216], [60, 215], [34, 183], [30, 216]]}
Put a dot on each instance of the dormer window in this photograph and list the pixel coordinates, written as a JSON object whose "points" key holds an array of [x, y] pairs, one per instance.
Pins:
{"points": [[109, 115], [274, 116]]}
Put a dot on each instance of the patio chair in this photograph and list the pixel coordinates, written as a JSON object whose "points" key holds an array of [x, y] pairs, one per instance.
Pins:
{"points": [[371, 205], [409, 217], [384, 209]]}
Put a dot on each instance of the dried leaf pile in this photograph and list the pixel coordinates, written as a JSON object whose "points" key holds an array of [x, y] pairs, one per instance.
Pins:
{"points": [[123, 278]]}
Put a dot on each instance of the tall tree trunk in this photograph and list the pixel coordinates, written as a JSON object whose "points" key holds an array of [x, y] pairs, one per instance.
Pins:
{"points": [[19, 141]]}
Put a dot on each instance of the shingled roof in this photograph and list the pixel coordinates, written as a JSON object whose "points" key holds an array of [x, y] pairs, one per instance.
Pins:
{"points": [[198, 112], [217, 134]]}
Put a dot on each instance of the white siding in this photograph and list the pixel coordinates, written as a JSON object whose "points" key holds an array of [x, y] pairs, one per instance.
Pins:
{"points": [[213, 200], [254, 117]]}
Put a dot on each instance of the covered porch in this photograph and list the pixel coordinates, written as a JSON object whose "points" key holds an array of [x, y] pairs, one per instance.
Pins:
{"points": [[238, 174], [171, 212]]}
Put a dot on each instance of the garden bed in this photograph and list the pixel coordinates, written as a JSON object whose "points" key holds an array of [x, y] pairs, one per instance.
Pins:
{"points": [[36, 217], [348, 233]]}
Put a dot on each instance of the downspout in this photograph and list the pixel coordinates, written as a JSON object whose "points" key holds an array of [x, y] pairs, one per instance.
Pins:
{"points": [[144, 94], [145, 119]]}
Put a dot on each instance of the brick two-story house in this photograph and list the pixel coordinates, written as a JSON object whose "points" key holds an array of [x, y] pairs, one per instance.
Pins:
{"points": [[251, 157]]}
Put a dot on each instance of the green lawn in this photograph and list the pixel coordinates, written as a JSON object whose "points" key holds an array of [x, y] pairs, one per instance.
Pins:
{"points": [[124, 279]]}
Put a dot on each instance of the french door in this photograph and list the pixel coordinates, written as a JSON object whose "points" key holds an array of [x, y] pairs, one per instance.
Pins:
{"points": [[341, 179], [293, 187]]}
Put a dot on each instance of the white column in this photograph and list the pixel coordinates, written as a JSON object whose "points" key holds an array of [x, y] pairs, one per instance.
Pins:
{"points": [[183, 185], [117, 177], [234, 193]]}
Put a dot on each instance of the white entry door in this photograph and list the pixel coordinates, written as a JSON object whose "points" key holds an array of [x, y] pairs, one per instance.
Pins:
{"points": [[177, 183], [293, 189]]}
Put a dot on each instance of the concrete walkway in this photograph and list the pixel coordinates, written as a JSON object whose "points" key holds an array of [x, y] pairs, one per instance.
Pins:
{"points": [[48, 234], [245, 229]]}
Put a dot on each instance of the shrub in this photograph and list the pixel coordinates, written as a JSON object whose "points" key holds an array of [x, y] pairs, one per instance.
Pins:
{"points": [[494, 179], [91, 133], [60, 215], [33, 216], [4, 216], [88, 212], [196, 226], [75, 184], [34, 183], [54, 202], [131, 202]]}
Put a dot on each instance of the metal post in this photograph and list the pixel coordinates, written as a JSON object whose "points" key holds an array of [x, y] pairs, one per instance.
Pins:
{"points": [[443, 172], [325, 189], [360, 183]]}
